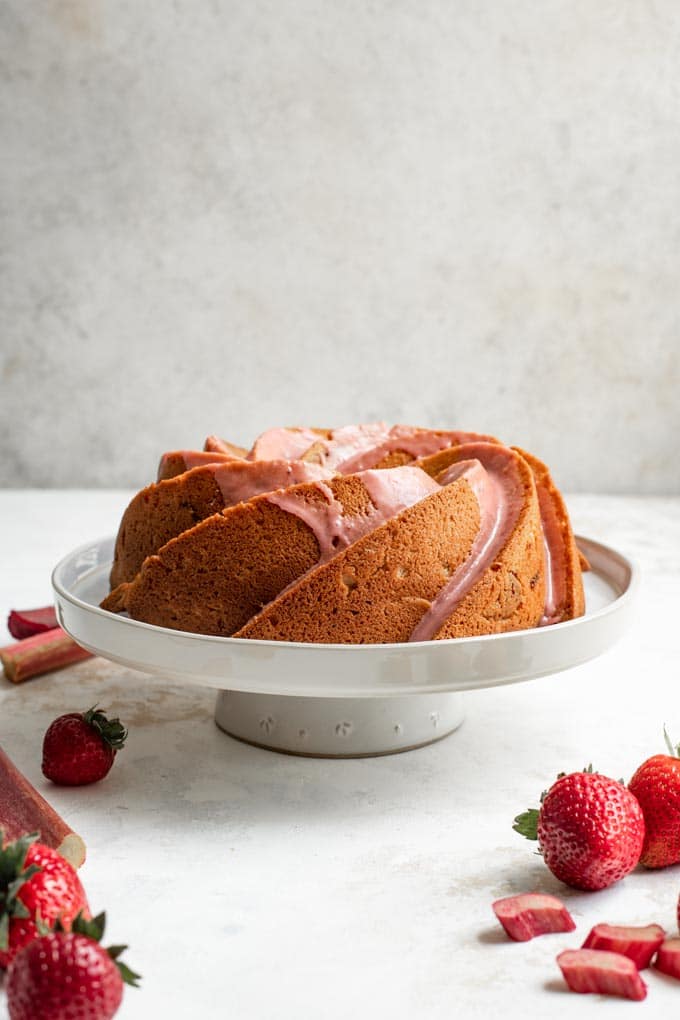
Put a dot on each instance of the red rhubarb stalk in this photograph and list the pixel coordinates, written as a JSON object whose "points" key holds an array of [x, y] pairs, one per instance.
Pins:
{"points": [[23, 809], [531, 914], [40, 654], [668, 958], [638, 943], [23, 623], [595, 970]]}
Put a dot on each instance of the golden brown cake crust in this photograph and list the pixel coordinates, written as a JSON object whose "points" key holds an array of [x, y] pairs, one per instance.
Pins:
{"points": [[158, 513], [215, 576]]}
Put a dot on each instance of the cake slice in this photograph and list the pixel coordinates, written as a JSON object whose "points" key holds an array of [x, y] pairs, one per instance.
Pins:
{"points": [[167, 508], [564, 596]]}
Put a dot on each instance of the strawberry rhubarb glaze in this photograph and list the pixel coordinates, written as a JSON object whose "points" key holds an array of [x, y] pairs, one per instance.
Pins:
{"points": [[500, 495], [555, 561], [239, 481], [407, 439], [282, 444], [391, 491]]}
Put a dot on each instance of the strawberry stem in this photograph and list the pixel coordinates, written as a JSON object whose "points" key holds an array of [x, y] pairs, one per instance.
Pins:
{"points": [[111, 731], [527, 824], [672, 750], [13, 875], [94, 929]]}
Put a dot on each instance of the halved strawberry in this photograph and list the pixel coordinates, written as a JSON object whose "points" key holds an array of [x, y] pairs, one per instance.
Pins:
{"points": [[668, 958], [595, 970], [637, 943], [531, 914]]}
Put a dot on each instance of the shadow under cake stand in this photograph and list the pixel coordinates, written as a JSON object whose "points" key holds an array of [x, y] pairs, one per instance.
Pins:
{"points": [[342, 700]]}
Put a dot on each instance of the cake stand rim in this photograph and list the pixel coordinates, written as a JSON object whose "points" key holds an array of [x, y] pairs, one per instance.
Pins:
{"points": [[431, 662]]}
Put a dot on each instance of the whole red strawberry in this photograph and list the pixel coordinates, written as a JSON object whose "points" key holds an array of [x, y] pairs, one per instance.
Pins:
{"points": [[590, 829], [37, 886], [68, 976], [79, 748], [656, 784]]}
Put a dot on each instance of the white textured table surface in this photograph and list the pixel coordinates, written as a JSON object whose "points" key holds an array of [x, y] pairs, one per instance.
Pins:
{"points": [[251, 884]]}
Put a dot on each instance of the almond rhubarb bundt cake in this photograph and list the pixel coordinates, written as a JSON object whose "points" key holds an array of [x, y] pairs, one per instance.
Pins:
{"points": [[361, 534]]}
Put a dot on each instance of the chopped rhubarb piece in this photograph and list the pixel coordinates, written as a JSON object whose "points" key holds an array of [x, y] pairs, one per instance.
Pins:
{"points": [[39, 654], [595, 970], [531, 914], [668, 957], [23, 809], [23, 623], [638, 944]]}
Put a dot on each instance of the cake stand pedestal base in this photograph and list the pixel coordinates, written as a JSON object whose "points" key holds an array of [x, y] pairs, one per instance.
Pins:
{"points": [[338, 727]]}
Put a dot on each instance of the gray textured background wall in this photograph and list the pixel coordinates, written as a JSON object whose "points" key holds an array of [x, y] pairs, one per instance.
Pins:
{"points": [[219, 216]]}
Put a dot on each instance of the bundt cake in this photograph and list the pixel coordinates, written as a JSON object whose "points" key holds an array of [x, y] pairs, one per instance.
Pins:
{"points": [[361, 534]]}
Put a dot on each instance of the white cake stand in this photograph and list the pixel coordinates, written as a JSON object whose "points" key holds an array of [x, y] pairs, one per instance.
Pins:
{"points": [[341, 700]]}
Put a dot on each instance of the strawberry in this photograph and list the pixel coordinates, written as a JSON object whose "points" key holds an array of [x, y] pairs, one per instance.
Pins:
{"points": [[68, 976], [37, 886], [79, 747], [531, 914], [594, 970], [656, 784], [638, 943], [590, 829]]}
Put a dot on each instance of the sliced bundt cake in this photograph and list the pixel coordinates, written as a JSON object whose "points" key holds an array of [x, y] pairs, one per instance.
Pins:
{"points": [[366, 533]]}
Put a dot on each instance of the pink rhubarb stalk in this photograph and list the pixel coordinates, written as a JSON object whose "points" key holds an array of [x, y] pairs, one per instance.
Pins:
{"points": [[668, 958], [40, 654], [595, 970], [23, 810], [638, 944], [531, 914]]}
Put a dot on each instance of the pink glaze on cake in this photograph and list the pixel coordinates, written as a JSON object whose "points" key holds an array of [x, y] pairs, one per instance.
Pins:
{"points": [[171, 462], [282, 444], [214, 444], [394, 489], [555, 561], [500, 495], [414, 441], [241, 480], [391, 491], [348, 442]]}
